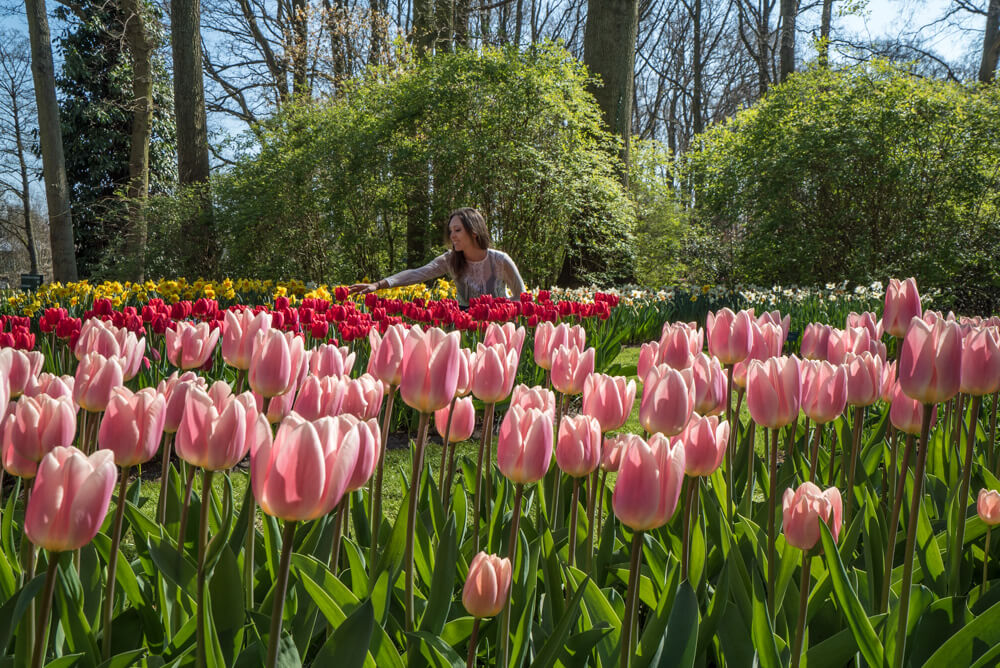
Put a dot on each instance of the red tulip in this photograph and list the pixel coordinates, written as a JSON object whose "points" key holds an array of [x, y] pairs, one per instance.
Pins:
{"points": [[386, 360], [189, 346], [902, 304], [487, 585], [667, 401], [463, 420], [980, 363], [578, 451], [802, 511], [32, 428], [649, 483], [824, 390], [524, 445], [70, 498], [570, 368], [988, 507], [930, 364], [329, 360], [864, 379], [96, 378], [239, 331], [430, 369], [705, 440], [729, 335], [132, 426], [773, 391], [492, 372]]}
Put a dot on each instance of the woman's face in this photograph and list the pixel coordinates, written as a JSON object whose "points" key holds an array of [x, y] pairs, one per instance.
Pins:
{"points": [[461, 240]]}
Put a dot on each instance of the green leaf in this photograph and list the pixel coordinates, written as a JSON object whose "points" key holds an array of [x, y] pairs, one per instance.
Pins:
{"points": [[550, 651], [978, 636], [441, 592], [123, 660], [435, 651], [69, 604], [348, 645], [66, 661], [681, 643], [763, 635]]}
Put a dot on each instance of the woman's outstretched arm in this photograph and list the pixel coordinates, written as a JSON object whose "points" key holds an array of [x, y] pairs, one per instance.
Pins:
{"points": [[433, 269]]}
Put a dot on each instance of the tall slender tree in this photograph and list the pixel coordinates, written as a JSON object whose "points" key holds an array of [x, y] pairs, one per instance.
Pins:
{"points": [[786, 52], [991, 44]]}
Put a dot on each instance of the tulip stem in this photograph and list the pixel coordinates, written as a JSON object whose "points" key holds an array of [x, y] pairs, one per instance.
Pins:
{"points": [[986, 559], [411, 517], [557, 481], [182, 528], [249, 562], [773, 484], [42, 632], [692, 485], [206, 501], [599, 510], [814, 459], [28, 557], [729, 445], [515, 524], [747, 501], [444, 453], [338, 531], [572, 521], [631, 600], [859, 421], [487, 435], [832, 473], [991, 459], [890, 477], [963, 495], [897, 502], [280, 590], [473, 639], [591, 505], [116, 537], [376, 495], [161, 510], [800, 631], [911, 536]]}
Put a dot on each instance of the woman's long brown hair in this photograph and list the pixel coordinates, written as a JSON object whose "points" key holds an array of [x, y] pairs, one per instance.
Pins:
{"points": [[475, 226]]}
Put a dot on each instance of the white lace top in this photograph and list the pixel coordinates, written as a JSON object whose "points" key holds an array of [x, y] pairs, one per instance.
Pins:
{"points": [[493, 275]]}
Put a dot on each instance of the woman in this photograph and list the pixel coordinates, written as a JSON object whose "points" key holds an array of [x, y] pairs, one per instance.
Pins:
{"points": [[476, 268]]}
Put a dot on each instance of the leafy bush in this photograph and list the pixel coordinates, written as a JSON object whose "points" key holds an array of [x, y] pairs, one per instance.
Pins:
{"points": [[334, 190], [859, 174]]}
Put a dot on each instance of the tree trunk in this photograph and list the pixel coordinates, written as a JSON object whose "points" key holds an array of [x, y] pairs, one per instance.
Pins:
{"points": [[25, 194], [377, 17], [764, 47], [444, 11], [824, 33], [518, 20], [461, 21], [786, 55], [140, 46], [697, 66], [424, 30], [50, 137], [300, 49], [192, 128], [609, 41], [991, 44]]}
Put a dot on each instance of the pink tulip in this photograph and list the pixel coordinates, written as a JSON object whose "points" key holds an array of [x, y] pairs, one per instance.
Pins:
{"points": [[610, 399], [836, 346], [430, 369], [802, 511], [902, 304], [463, 420], [487, 585], [492, 372], [239, 331], [980, 363], [888, 382], [304, 473], [318, 397], [189, 346], [570, 369], [132, 426], [773, 391], [815, 338], [329, 360], [281, 405], [729, 335], [906, 414], [578, 451], [369, 449], [866, 320], [767, 343], [466, 359], [782, 323], [705, 440], [216, 434], [988, 507], [386, 360], [709, 385], [53, 386], [548, 337], [70, 498], [824, 390], [507, 335], [534, 397], [649, 356], [276, 361], [930, 364], [679, 343], [864, 379], [98, 336], [33, 428], [649, 483], [23, 366], [612, 450], [96, 378], [363, 397], [174, 390], [524, 445], [668, 397]]}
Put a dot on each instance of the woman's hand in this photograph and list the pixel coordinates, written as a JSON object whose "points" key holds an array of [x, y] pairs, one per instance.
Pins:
{"points": [[363, 288]]}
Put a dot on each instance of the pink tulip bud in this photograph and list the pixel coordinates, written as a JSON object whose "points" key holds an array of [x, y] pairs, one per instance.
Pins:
{"points": [[649, 356], [463, 420], [836, 346], [493, 371], [33, 428], [430, 369], [466, 359], [507, 335], [705, 440], [988, 506], [815, 338], [729, 335], [189, 345], [930, 364], [649, 483], [53, 386], [570, 368], [524, 445], [824, 390], [679, 343], [782, 323], [369, 449], [578, 451], [802, 511], [98, 336], [304, 473], [709, 385], [668, 397], [174, 390], [363, 397], [548, 337], [132, 425], [902, 304], [534, 397], [767, 343], [980, 363], [70, 498], [867, 321], [24, 367], [318, 397], [487, 585], [888, 382], [386, 360], [276, 362], [239, 331], [864, 379], [612, 450], [216, 436], [907, 414], [329, 360], [773, 391], [96, 378], [610, 399]]}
